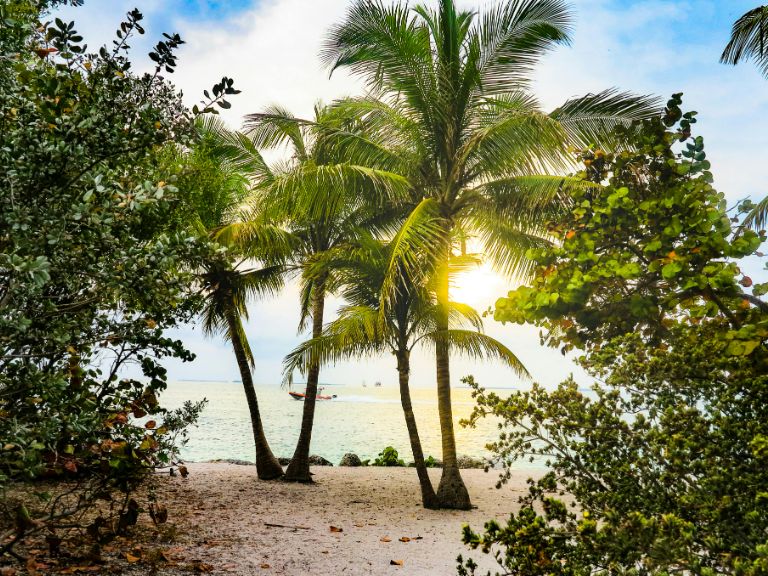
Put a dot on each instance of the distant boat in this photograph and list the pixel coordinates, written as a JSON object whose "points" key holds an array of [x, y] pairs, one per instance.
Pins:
{"points": [[377, 384], [364, 384]]}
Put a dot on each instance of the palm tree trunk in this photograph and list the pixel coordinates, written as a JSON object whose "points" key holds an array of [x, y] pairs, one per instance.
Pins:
{"points": [[267, 466], [428, 497], [451, 493], [298, 469]]}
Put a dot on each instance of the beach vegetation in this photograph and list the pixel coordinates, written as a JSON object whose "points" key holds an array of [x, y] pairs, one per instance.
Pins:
{"points": [[93, 270], [660, 466], [388, 457]]}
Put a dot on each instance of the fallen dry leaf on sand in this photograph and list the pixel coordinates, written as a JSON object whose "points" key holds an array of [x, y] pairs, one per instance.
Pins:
{"points": [[336, 529], [395, 562], [385, 539], [131, 558], [265, 566], [405, 539]]}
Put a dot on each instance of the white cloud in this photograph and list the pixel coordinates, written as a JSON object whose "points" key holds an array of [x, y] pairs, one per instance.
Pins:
{"points": [[271, 52]]}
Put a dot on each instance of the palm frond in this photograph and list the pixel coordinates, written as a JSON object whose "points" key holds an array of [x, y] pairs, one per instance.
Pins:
{"points": [[389, 48], [413, 248], [253, 238], [592, 119], [275, 127], [514, 138], [525, 199], [749, 39], [353, 334], [515, 35], [758, 216], [232, 150], [479, 346], [505, 244]]}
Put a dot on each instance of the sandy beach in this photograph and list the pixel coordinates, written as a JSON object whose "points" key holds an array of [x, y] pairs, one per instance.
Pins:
{"points": [[228, 522]]}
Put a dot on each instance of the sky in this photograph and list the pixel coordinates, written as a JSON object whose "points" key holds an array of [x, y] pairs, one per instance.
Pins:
{"points": [[270, 48]]}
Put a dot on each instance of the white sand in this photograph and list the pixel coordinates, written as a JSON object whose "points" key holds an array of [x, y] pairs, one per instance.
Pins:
{"points": [[221, 511]]}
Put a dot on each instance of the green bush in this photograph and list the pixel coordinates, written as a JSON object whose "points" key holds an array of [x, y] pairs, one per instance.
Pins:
{"points": [[388, 457], [431, 462]]}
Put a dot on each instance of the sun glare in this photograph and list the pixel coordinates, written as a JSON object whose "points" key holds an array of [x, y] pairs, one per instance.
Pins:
{"points": [[478, 287]]}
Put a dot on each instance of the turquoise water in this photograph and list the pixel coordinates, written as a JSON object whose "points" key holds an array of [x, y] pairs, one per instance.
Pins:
{"points": [[362, 420]]}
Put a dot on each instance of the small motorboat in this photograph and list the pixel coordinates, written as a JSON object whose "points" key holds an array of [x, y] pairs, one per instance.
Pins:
{"points": [[377, 384], [319, 396]]}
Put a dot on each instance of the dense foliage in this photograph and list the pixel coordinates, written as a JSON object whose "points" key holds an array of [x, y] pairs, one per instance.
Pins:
{"points": [[92, 262], [664, 460]]}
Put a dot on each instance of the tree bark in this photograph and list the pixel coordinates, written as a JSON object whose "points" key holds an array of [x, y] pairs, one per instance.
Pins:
{"points": [[267, 466], [451, 493], [298, 469], [428, 496]]}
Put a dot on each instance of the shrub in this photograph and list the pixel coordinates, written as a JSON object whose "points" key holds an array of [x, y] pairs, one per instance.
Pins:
{"points": [[388, 457], [664, 459]]}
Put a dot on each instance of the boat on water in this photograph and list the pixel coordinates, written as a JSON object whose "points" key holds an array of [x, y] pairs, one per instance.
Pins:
{"points": [[301, 396], [377, 384]]}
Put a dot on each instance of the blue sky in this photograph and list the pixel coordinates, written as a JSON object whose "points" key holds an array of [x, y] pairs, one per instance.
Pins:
{"points": [[270, 48]]}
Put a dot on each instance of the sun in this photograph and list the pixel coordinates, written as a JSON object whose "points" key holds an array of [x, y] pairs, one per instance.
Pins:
{"points": [[478, 287]]}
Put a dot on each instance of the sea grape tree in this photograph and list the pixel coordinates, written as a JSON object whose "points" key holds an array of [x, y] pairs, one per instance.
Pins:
{"points": [[93, 264], [664, 459]]}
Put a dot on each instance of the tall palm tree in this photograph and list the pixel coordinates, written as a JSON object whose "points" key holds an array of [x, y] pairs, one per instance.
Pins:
{"points": [[449, 109], [407, 320], [323, 201], [218, 192]]}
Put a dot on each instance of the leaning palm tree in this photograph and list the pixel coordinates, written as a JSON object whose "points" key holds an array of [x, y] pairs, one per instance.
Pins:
{"points": [[228, 282], [407, 320], [323, 201], [449, 109], [228, 288]]}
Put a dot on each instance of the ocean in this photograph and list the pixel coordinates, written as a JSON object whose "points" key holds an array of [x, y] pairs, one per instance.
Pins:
{"points": [[361, 420]]}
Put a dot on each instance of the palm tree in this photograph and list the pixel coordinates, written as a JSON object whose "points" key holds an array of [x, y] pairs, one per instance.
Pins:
{"points": [[227, 291], [407, 320], [323, 201], [449, 109], [749, 39], [228, 285]]}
